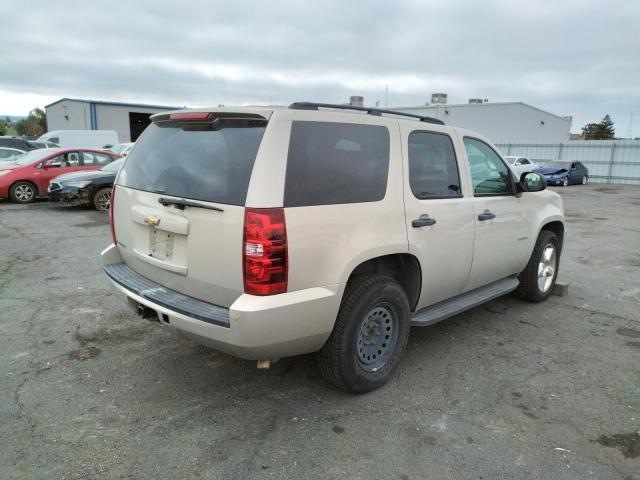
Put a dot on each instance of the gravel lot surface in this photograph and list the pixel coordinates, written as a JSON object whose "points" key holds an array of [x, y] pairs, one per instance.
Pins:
{"points": [[507, 390]]}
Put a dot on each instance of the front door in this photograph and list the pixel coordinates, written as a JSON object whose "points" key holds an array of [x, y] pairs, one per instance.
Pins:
{"points": [[54, 166], [439, 213], [501, 240]]}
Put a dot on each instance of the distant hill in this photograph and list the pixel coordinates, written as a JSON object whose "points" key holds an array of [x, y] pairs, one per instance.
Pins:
{"points": [[13, 118]]}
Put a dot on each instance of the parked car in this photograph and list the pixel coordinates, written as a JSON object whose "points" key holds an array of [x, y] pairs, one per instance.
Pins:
{"points": [[8, 154], [82, 188], [564, 173], [520, 165], [81, 138], [268, 233], [36, 144], [122, 148], [28, 176], [18, 143]]}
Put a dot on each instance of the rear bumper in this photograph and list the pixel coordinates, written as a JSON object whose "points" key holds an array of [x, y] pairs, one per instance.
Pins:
{"points": [[253, 327]]}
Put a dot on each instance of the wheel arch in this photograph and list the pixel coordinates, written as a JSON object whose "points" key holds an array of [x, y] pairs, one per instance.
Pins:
{"points": [[22, 180], [403, 267], [557, 227]]}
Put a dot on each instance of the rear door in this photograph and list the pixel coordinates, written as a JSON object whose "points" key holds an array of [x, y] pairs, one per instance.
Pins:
{"points": [[502, 227], [439, 214], [195, 250], [95, 160]]}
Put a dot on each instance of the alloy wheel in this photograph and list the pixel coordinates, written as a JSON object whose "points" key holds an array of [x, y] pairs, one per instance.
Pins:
{"points": [[547, 267], [104, 201], [24, 193]]}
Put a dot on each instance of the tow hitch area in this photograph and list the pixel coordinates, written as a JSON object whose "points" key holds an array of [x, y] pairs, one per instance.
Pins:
{"points": [[147, 313]]}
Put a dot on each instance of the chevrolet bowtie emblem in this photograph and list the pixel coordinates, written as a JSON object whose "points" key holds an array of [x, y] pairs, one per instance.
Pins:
{"points": [[152, 220]]}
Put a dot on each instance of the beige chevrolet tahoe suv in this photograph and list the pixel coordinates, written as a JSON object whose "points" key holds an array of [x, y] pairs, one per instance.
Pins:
{"points": [[271, 232]]}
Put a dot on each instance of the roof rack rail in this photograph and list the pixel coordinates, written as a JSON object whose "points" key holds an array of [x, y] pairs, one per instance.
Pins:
{"points": [[371, 111]]}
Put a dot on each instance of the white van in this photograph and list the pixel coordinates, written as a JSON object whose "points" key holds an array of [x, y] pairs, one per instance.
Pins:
{"points": [[81, 138]]}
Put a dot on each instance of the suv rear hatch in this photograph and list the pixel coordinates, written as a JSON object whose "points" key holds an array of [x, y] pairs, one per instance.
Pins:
{"points": [[178, 206]]}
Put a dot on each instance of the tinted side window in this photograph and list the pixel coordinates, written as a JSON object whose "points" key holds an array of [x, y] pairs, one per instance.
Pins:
{"points": [[91, 158], [331, 163], [489, 175], [433, 170]]}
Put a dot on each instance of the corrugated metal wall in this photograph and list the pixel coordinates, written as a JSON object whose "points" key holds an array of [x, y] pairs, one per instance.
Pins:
{"points": [[116, 117], [610, 161], [500, 122], [69, 115]]}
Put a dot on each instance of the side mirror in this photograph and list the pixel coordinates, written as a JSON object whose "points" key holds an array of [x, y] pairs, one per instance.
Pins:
{"points": [[52, 163], [532, 182]]}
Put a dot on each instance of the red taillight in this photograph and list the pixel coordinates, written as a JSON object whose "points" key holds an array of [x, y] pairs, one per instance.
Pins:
{"points": [[111, 202], [190, 116], [264, 251]]}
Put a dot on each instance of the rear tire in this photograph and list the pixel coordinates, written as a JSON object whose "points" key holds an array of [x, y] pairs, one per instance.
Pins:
{"points": [[23, 192], [539, 276], [369, 336], [102, 199], [585, 179]]}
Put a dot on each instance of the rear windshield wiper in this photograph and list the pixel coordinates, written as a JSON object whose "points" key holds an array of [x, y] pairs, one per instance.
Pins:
{"points": [[180, 203]]}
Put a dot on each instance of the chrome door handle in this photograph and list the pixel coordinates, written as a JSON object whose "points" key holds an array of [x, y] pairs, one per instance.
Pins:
{"points": [[423, 221]]}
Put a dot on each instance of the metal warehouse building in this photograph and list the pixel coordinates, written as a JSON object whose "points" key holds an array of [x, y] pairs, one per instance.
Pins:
{"points": [[128, 119], [506, 122]]}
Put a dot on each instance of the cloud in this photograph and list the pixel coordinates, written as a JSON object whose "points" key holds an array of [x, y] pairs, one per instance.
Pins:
{"points": [[571, 58]]}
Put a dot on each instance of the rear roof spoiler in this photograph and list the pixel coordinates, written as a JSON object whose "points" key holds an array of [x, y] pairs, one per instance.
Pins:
{"points": [[207, 116]]}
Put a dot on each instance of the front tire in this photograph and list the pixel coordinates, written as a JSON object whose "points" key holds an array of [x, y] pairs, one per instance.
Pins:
{"points": [[23, 192], [369, 336], [565, 182], [102, 199], [539, 276]]}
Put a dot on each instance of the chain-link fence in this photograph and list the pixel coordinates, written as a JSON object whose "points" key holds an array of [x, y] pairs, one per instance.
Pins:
{"points": [[608, 161]]}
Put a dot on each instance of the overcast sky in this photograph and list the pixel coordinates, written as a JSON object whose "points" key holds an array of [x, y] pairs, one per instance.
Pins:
{"points": [[575, 58]]}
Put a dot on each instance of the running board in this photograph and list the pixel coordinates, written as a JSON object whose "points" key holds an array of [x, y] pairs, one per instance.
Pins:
{"points": [[448, 308]]}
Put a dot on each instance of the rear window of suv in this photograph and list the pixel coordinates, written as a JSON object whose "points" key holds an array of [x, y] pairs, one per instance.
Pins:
{"points": [[334, 163], [209, 161]]}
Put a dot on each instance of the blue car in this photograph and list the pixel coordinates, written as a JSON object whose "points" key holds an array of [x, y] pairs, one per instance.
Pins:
{"points": [[564, 173]]}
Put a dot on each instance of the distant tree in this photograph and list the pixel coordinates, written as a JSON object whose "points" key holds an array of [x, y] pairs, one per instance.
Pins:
{"points": [[3, 127], [28, 126], [608, 130], [599, 131], [35, 124], [40, 117]]}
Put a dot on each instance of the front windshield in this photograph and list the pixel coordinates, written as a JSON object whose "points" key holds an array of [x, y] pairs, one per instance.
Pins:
{"points": [[557, 165], [121, 147], [11, 156], [32, 156], [113, 166]]}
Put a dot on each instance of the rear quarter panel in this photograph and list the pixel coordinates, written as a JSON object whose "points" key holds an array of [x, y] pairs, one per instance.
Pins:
{"points": [[326, 242]]}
